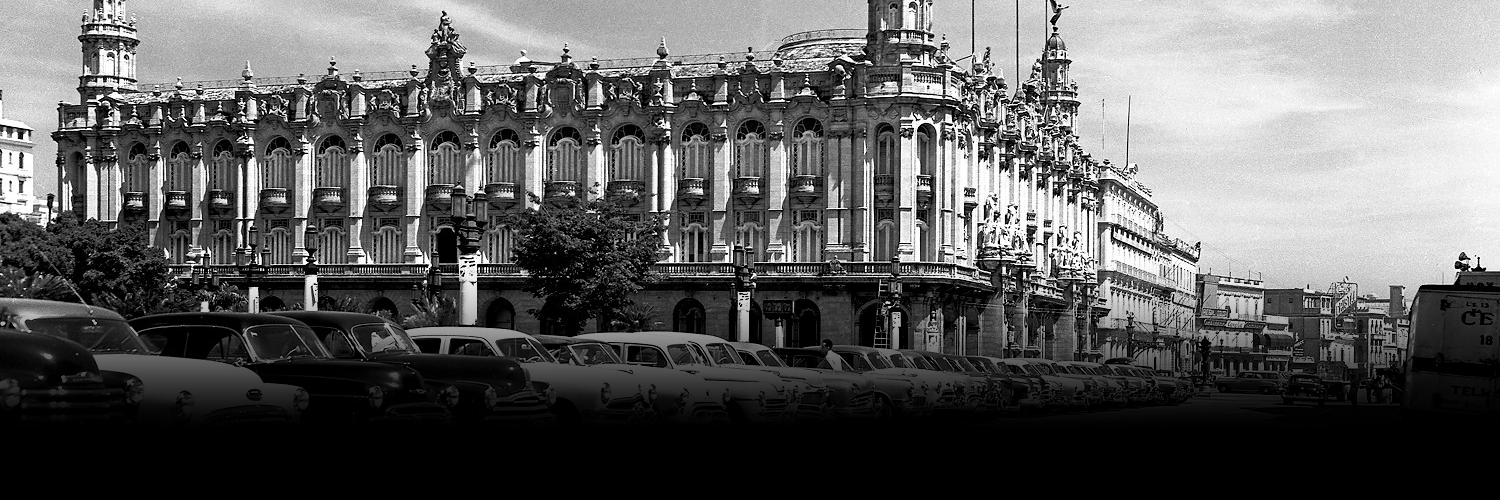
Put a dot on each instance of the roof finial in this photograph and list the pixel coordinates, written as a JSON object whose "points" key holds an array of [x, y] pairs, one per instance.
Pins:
{"points": [[247, 74], [333, 66], [565, 56], [179, 84], [661, 50], [749, 54]]}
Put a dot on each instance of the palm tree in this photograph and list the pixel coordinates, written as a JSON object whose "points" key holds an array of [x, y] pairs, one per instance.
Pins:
{"points": [[636, 317], [433, 311], [15, 283]]}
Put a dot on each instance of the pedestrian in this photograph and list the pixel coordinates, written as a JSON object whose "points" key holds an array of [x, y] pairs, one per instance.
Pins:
{"points": [[828, 354], [1354, 388]]}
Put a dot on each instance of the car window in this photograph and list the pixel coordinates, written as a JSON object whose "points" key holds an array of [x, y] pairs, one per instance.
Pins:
{"points": [[469, 347], [338, 346], [769, 358], [748, 359], [645, 355], [524, 349], [429, 345], [229, 349]]}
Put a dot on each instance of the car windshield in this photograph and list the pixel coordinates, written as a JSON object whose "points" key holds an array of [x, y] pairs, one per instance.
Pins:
{"points": [[590, 354], [966, 365], [1033, 369], [1042, 368], [768, 358], [98, 335], [645, 355], [684, 354], [723, 354], [384, 338], [900, 361], [986, 365], [527, 350], [279, 342], [878, 361]]}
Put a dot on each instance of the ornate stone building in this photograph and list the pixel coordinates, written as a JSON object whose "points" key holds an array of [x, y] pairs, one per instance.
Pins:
{"points": [[17, 168], [824, 159]]}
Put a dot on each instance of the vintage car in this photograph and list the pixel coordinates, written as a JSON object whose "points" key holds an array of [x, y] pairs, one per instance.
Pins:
{"points": [[1038, 392], [850, 395], [285, 351], [945, 390], [1067, 392], [179, 391], [1115, 389], [1098, 385], [583, 394], [498, 390], [48, 380], [810, 393], [1305, 387], [898, 390], [753, 397], [1185, 385], [1263, 382], [681, 397], [987, 393], [1138, 389], [1093, 393]]}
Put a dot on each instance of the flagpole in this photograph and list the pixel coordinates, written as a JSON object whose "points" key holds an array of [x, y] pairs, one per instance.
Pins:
{"points": [[1129, 104], [973, 30], [1018, 45]]}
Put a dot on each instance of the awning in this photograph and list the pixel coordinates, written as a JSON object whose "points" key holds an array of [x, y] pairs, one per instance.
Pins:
{"points": [[1276, 341]]}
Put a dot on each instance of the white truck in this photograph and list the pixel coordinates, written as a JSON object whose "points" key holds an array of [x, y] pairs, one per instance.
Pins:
{"points": [[1452, 365]]}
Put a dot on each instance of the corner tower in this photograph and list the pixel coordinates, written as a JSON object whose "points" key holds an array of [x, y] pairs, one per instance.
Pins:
{"points": [[1059, 92], [901, 30], [109, 43]]}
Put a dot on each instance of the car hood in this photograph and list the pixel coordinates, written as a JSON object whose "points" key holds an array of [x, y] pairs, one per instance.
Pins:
{"points": [[811, 377], [44, 355], [213, 385], [721, 374], [384, 375], [506, 375], [566, 378]]}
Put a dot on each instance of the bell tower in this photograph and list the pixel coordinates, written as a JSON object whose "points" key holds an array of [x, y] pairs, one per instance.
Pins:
{"points": [[109, 43], [1059, 91], [901, 30]]}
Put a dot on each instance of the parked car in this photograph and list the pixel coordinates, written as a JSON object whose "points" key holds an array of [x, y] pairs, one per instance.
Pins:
{"points": [[1116, 389], [1038, 391], [850, 395], [1305, 387], [1263, 382], [900, 392], [1067, 392], [497, 390], [583, 394], [1101, 388], [48, 380], [1138, 389], [1185, 386], [810, 393], [179, 391], [984, 392], [753, 397], [681, 397], [285, 351], [943, 388], [1092, 394]]}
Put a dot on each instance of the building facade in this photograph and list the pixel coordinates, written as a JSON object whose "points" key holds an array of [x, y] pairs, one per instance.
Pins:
{"points": [[1321, 346], [1147, 278], [1232, 316], [827, 161], [17, 167]]}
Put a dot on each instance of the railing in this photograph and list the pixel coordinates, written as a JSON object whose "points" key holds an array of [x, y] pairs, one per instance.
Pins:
{"points": [[135, 201], [885, 187], [1132, 271], [274, 197], [561, 189], [329, 197], [822, 35], [924, 188], [501, 194], [220, 199], [176, 200], [385, 196], [629, 191], [440, 196], [747, 188], [671, 269]]}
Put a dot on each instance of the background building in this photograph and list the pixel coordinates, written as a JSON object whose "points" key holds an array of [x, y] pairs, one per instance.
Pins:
{"points": [[1232, 316], [16, 168], [1323, 348]]}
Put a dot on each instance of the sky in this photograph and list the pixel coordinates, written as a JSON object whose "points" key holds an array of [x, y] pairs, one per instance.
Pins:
{"points": [[1301, 141]]}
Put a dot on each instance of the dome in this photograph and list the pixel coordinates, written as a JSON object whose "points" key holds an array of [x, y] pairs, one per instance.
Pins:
{"points": [[1055, 42]]}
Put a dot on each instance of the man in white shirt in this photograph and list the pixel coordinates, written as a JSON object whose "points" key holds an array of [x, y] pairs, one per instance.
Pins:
{"points": [[833, 358]]}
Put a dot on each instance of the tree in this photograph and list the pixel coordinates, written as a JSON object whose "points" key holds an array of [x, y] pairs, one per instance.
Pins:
{"points": [[437, 310], [636, 318], [17, 283], [586, 259]]}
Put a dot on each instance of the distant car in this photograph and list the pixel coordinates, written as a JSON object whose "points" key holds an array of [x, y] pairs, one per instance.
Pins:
{"points": [[681, 397], [286, 351], [1305, 387], [583, 394], [497, 390], [1138, 390], [1115, 388], [178, 391], [754, 397], [850, 395], [809, 397], [983, 391], [1038, 393], [945, 390], [48, 380], [896, 388], [1092, 394], [1263, 382], [1067, 391]]}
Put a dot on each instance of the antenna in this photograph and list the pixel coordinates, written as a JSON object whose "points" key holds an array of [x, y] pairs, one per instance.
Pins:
{"points": [[1018, 44], [1129, 104], [68, 282]]}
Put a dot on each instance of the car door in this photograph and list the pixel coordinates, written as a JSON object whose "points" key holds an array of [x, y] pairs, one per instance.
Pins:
{"points": [[430, 345], [470, 346]]}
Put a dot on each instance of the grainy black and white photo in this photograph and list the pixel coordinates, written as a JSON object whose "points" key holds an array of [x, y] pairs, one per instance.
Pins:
{"points": [[762, 215]]}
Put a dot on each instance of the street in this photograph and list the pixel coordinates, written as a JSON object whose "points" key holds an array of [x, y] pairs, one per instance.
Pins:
{"points": [[1228, 410]]}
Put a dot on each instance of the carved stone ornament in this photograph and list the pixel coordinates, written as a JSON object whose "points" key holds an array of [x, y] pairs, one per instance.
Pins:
{"points": [[719, 137], [775, 136], [196, 155], [907, 133], [413, 146], [531, 143], [593, 141], [150, 156], [110, 159]]}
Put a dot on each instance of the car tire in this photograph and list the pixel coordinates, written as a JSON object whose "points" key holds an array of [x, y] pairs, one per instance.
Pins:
{"points": [[886, 412]]}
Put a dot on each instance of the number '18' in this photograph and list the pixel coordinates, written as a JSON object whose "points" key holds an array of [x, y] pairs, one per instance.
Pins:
{"points": [[1486, 340]]}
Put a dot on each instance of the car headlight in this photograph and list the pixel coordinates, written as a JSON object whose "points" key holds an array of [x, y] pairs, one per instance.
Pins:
{"points": [[300, 399], [604, 394], [450, 396], [491, 398], [10, 393], [184, 404], [911, 392], [762, 399], [651, 394], [377, 397], [135, 392], [551, 396], [727, 396]]}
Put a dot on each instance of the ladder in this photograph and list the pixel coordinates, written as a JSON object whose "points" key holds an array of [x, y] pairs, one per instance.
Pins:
{"points": [[882, 341]]}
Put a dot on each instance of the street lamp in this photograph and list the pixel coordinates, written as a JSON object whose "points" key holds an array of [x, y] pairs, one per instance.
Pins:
{"points": [[744, 273], [469, 230], [1024, 267], [253, 270], [310, 270]]}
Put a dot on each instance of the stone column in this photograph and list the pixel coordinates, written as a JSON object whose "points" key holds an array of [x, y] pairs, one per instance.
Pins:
{"points": [[1065, 334], [992, 324], [416, 199], [357, 199]]}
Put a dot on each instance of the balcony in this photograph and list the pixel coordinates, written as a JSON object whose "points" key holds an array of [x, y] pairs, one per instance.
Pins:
{"points": [[561, 193], [329, 198], [439, 197], [691, 191], [885, 188], [924, 190], [177, 201], [135, 202], [747, 189], [274, 198], [501, 195], [807, 188], [385, 197], [220, 200], [626, 192]]}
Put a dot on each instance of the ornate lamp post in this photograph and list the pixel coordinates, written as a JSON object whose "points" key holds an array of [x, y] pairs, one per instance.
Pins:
{"points": [[204, 279], [310, 269], [744, 273], [252, 271], [893, 319], [470, 230]]}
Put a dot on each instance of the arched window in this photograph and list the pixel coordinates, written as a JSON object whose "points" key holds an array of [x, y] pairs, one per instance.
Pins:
{"points": [[887, 239], [690, 317], [137, 170], [565, 156], [893, 17], [807, 148], [752, 235], [332, 168], [696, 240], [500, 314], [387, 244], [504, 163], [926, 151], [180, 242], [751, 153], [696, 153], [628, 158], [911, 16], [221, 246], [180, 168], [498, 242], [278, 168], [278, 245], [445, 160], [333, 242], [388, 166], [805, 325], [222, 175], [807, 242], [887, 151]]}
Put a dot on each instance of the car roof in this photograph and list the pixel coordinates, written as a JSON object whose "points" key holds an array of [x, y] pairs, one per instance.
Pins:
{"points": [[695, 337], [471, 331], [751, 346], [559, 339], [237, 321], [25, 309], [648, 338], [342, 319]]}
